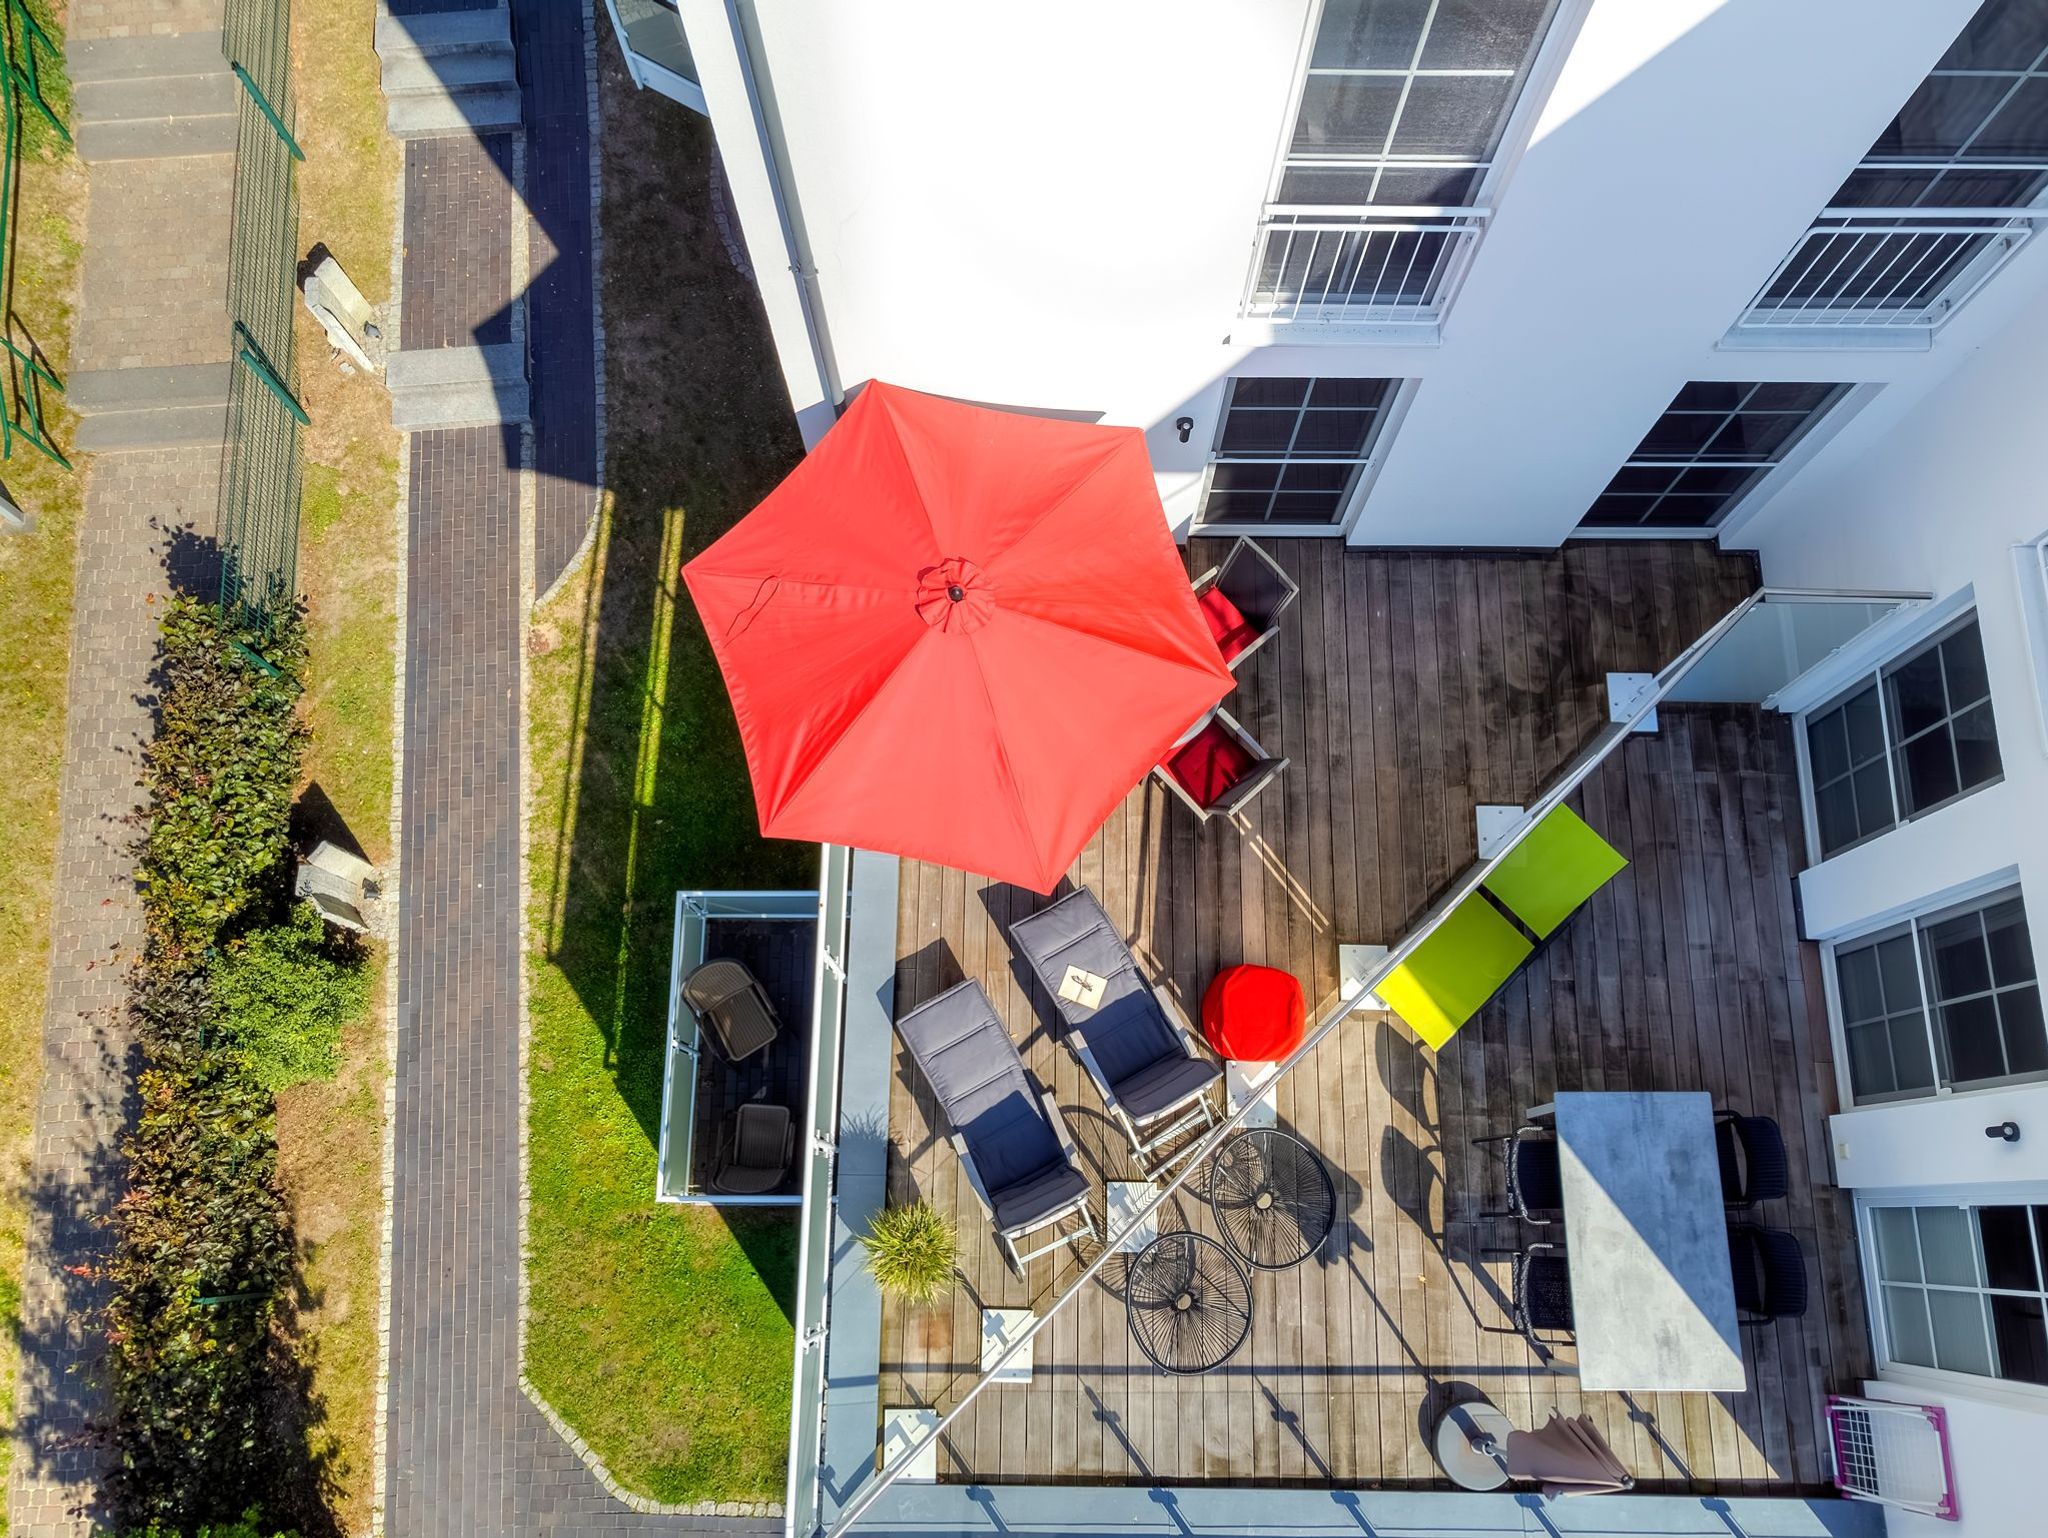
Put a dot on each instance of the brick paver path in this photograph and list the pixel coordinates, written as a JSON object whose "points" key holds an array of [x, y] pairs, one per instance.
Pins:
{"points": [[466, 1451], [153, 294]]}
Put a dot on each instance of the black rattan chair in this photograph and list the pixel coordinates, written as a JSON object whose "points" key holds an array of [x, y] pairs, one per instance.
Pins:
{"points": [[1754, 1167], [1542, 1299], [1535, 1184], [1770, 1273], [732, 1008]]}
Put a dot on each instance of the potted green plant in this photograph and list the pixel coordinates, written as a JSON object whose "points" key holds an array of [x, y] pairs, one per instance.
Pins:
{"points": [[911, 1251]]}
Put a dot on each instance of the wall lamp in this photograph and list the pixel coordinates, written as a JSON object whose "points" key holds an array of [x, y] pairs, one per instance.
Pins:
{"points": [[2005, 1132], [1184, 426]]}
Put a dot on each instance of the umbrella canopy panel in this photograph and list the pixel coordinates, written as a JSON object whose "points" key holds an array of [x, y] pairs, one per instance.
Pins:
{"points": [[957, 634]]}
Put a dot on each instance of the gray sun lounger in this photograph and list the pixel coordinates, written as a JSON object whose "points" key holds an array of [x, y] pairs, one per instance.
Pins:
{"points": [[1006, 1129], [1134, 1045]]}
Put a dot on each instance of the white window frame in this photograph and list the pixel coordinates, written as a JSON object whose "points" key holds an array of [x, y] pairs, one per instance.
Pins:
{"points": [[2030, 570], [1942, 621], [1974, 895], [1558, 39], [2009, 1391], [1399, 398]]}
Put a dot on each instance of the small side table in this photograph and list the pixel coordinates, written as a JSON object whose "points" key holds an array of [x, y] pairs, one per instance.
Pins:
{"points": [[1188, 1303], [1273, 1198]]}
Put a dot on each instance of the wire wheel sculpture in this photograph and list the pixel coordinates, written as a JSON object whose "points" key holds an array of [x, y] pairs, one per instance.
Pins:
{"points": [[1273, 1198], [1189, 1304]]}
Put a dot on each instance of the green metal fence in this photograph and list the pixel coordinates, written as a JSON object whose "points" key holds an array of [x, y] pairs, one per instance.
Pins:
{"points": [[259, 497], [21, 64]]}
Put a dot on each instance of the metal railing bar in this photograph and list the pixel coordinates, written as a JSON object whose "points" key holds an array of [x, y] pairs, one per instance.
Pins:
{"points": [[1567, 780]]}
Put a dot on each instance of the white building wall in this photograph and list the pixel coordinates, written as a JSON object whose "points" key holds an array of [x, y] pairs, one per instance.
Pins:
{"points": [[1061, 215]]}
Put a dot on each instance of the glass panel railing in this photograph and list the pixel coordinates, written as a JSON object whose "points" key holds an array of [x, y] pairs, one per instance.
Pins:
{"points": [[814, 1253], [679, 1075], [1781, 638]]}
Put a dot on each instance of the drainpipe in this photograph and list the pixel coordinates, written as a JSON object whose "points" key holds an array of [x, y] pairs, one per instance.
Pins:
{"points": [[794, 246]]}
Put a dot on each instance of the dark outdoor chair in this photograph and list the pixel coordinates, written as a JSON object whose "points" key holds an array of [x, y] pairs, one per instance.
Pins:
{"points": [[1542, 1300], [1770, 1273], [1218, 767], [1134, 1045], [1011, 1140], [1243, 599], [732, 1008], [1535, 1184], [1754, 1167], [757, 1150]]}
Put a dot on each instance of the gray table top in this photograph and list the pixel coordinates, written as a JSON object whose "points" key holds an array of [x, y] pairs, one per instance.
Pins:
{"points": [[1653, 1300]]}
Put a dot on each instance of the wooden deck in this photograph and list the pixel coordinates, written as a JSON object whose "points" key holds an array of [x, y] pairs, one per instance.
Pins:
{"points": [[781, 953], [1406, 690]]}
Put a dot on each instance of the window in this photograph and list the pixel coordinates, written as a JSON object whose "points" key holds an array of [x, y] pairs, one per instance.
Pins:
{"points": [[1290, 451], [1947, 1001], [1963, 1289], [1972, 138], [1713, 443], [1405, 101], [2030, 567], [1403, 109], [1913, 737]]}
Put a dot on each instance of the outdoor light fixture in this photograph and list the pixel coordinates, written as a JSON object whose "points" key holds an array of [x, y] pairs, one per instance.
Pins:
{"points": [[1184, 426], [2005, 1132]]}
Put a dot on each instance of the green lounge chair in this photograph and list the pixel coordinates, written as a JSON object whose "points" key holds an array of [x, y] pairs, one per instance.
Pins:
{"points": [[1456, 970], [1550, 874]]}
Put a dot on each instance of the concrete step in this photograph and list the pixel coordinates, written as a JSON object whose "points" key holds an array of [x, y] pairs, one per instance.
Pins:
{"points": [[444, 32], [456, 387], [480, 109], [145, 57], [157, 138], [419, 74], [180, 427], [105, 391], [155, 96]]}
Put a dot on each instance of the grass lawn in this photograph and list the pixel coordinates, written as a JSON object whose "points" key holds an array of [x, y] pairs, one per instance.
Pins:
{"points": [[661, 1333], [35, 599], [330, 1134]]}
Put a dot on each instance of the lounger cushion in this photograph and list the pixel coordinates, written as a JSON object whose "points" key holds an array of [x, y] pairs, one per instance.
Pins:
{"points": [[1166, 1083], [963, 1049], [1030, 1201], [1128, 1032], [1547, 877], [1455, 971]]}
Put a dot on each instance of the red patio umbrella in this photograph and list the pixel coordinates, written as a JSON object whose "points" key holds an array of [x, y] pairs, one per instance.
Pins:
{"points": [[956, 634]]}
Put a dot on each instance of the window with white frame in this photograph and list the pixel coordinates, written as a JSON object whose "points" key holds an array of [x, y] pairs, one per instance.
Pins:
{"points": [[2030, 566], [1948, 1000], [1913, 736], [1963, 1289], [1712, 444], [1291, 450], [1402, 111], [1949, 190]]}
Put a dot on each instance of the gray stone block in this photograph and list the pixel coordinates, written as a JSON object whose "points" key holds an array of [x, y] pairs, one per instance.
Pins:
{"points": [[177, 427], [425, 114], [419, 74], [144, 56], [156, 139], [156, 96], [92, 392], [443, 32]]}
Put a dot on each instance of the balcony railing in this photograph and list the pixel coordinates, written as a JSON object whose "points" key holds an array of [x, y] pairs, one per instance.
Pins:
{"points": [[1888, 269], [1366, 266]]}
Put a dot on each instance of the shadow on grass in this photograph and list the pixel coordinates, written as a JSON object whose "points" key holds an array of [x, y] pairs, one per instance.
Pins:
{"points": [[700, 429]]}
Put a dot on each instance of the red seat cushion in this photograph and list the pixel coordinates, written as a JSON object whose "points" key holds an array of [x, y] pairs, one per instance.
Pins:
{"points": [[1253, 1014], [1231, 630], [1208, 764]]}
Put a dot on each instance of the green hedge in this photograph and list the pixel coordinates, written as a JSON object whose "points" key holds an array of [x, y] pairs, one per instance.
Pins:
{"points": [[208, 1397]]}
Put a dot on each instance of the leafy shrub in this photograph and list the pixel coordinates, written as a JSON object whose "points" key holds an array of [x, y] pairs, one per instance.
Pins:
{"points": [[220, 772], [249, 1525], [282, 995], [911, 1251], [202, 1256]]}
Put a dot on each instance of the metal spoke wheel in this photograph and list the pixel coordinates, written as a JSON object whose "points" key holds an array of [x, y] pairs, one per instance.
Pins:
{"points": [[1189, 1304], [1273, 1198]]}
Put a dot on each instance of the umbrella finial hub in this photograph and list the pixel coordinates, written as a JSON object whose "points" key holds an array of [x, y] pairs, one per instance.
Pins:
{"points": [[955, 596]]}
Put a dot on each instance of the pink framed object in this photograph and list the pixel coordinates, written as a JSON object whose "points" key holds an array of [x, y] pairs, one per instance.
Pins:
{"points": [[1894, 1454]]}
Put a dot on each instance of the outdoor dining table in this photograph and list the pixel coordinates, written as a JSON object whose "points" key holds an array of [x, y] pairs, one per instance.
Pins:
{"points": [[1646, 1243]]}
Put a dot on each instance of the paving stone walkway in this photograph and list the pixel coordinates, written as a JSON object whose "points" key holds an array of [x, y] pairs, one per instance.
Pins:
{"points": [[467, 1453], [146, 527]]}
